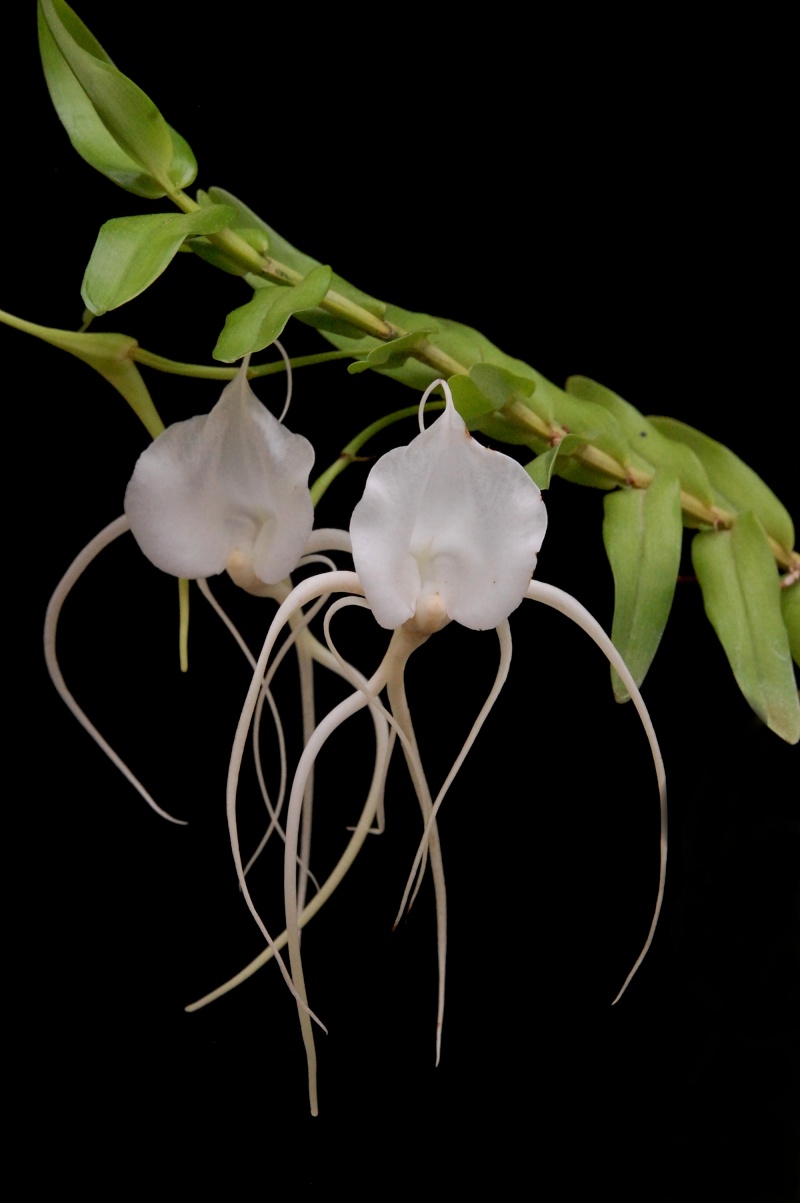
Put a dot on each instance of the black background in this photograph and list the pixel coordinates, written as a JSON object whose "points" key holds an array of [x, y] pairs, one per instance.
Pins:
{"points": [[607, 201]]}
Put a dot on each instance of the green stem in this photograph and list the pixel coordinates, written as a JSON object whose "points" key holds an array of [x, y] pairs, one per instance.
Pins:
{"points": [[349, 453], [183, 624], [593, 457], [515, 410], [205, 372]]}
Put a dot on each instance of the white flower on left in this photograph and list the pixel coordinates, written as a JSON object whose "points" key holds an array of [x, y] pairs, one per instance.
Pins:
{"points": [[224, 490], [228, 489]]}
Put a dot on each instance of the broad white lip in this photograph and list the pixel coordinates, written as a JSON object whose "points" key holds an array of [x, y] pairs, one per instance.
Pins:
{"points": [[446, 515]]}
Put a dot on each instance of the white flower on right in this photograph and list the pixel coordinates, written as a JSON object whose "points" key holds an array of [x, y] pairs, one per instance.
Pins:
{"points": [[447, 529]]}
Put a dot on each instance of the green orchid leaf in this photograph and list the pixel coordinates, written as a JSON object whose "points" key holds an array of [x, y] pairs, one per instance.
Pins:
{"points": [[108, 354], [742, 597], [88, 135], [258, 323], [642, 533], [576, 473], [246, 225], [790, 608], [465, 345], [496, 426], [499, 384], [390, 355], [183, 168], [541, 469], [246, 217], [328, 323], [462, 343], [647, 443], [225, 261], [471, 403], [735, 486], [596, 425], [111, 123], [217, 257], [131, 252], [558, 408], [592, 422], [285, 253]]}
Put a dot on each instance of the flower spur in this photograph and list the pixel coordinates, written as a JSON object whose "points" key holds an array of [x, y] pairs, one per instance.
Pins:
{"points": [[447, 530]]}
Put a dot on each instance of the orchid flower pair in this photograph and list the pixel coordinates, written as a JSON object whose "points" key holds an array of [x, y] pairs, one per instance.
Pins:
{"points": [[447, 530]]}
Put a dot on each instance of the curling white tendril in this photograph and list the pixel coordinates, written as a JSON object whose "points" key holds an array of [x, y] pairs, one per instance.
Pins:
{"points": [[224, 490], [447, 530]]}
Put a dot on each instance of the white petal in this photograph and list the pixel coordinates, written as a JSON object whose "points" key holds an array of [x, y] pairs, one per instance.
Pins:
{"points": [[231, 480], [446, 516]]}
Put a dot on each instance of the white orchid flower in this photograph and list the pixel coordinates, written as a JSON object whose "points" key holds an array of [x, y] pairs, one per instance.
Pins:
{"points": [[447, 530], [224, 490]]}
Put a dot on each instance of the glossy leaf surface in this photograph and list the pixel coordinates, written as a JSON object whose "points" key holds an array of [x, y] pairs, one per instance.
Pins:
{"points": [[258, 323], [790, 608], [741, 593], [642, 532], [291, 257], [470, 401], [735, 486], [111, 123], [499, 384], [390, 355], [645, 442], [542, 468], [131, 252], [108, 354]]}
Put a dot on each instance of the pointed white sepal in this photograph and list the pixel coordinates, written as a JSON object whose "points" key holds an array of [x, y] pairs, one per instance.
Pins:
{"points": [[231, 483], [447, 524]]}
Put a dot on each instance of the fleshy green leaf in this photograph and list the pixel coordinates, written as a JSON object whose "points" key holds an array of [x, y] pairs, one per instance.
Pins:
{"points": [[131, 252], [246, 218], [216, 256], [183, 168], [741, 593], [646, 442], [469, 400], [258, 323], [481, 397], [736, 487], [328, 323], [496, 426], [389, 355], [88, 135], [111, 123], [642, 532], [597, 424], [573, 470], [499, 384], [285, 253], [108, 354], [541, 469], [464, 344], [790, 608]]}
